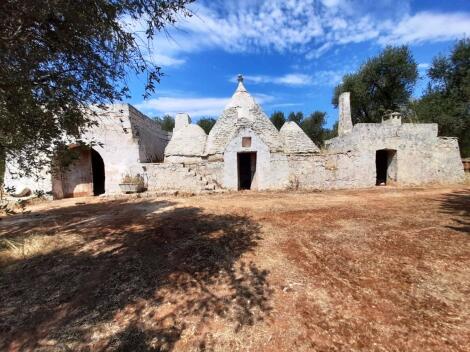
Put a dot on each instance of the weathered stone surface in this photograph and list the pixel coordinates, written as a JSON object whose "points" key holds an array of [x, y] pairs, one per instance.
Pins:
{"points": [[182, 120], [413, 154], [295, 140], [124, 138], [187, 141], [261, 177], [345, 121], [421, 156], [242, 112], [177, 177]]}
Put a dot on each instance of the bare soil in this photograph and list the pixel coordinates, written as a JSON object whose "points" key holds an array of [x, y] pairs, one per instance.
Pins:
{"points": [[382, 269]]}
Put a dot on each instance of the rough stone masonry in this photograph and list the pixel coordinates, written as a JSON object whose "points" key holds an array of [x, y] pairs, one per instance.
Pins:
{"points": [[245, 151]]}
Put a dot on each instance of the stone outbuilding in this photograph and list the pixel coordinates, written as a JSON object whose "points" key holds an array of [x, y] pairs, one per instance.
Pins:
{"points": [[244, 150], [400, 153], [122, 141]]}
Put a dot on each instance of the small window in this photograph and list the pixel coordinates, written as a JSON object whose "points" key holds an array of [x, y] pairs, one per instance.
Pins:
{"points": [[246, 142]]}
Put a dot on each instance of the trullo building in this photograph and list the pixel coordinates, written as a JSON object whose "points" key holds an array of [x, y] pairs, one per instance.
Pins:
{"points": [[245, 151]]}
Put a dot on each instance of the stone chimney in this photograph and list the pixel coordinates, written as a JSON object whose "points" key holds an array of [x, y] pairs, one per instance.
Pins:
{"points": [[345, 122], [393, 118], [181, 121]]}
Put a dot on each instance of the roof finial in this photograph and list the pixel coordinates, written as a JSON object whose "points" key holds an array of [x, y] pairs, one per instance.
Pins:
{"points": [[240, 77]]}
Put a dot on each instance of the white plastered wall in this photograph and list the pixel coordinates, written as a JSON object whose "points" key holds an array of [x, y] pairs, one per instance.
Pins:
{"points": [[123, 138], [260, 180], [421, 156]]}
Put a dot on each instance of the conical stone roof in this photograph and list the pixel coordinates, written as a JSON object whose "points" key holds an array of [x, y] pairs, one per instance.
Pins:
{"points": [[242, 111], [295, 140], [241, 98]]}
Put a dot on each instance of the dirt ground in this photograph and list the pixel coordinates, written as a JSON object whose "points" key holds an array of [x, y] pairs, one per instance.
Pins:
{"points": [[366, 270]]}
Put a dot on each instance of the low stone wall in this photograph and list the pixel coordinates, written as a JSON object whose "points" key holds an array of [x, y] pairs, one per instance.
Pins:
{"points": [[330, 171], [213, 171], [176, 177], [326, 170]]}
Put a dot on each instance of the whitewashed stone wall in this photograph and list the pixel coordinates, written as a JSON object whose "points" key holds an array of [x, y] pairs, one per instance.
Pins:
{"points": [[295, 140], [213, 171], [186, 145], [234, 119], [421, 156], [262, 174], [124, 138], [127, 138], [41, 181], [151, 139], [129, 142], [330, 171], [176, 177]]}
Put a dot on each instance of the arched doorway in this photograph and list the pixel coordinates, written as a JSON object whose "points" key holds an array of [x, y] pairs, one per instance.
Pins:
{"points": [[83, 176], [97, 168]]}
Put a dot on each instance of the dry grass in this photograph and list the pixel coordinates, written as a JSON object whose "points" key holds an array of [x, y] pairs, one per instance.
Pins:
{"points": [[377, 270], [19, 248]]}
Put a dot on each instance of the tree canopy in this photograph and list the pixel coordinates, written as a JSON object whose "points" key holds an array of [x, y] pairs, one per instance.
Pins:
{"points": [[446, 100], [206, 123], [313, 125], [59, 57], [296, 117], [278, 119], [167, 122], [381, 84]]}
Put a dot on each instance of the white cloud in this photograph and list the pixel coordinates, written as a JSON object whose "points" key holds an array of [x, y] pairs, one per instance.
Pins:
{"points": [[317, 52], [319, 78], [428, 27], [328, 77], [164, 60], [295, 79], [309, 28], [291, 79], [423, 66], [195, 107], [331, 3]]}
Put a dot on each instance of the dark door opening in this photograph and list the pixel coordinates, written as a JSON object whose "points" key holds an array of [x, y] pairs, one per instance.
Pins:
{"points": [[246, 169], [385, 164], [97, 167]]}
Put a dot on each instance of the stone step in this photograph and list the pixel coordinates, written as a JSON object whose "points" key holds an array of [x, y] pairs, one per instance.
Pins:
{"points": [[206, 182]]}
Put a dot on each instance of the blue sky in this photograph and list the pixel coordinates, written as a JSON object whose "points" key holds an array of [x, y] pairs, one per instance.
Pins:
{"points": [[291, 52]]}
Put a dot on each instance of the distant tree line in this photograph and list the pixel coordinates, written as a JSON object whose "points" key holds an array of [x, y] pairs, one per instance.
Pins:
{"points": [[386, 82], [167, 123]]}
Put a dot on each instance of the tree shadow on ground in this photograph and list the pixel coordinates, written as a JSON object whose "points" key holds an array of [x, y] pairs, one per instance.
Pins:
{"points": [[143, 275], [458, 205]]}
